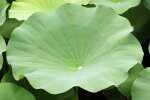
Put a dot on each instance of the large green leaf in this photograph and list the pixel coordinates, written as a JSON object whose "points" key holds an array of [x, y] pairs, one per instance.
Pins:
{"points": [[22, 9], [147, 3], [141, 86], [9, 25], [10, 91], [120, 6], [39, 94], [2, 49], [59, 50], [125, 87], [3, 7]]}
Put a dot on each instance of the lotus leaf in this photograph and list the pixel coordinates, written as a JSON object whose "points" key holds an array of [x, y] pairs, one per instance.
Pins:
{"points": [[39, 94], [58, 50], [22, 9], [10, 91], [141, 86], [3, 7], [8, 26], [120, 6], [125, 87]]}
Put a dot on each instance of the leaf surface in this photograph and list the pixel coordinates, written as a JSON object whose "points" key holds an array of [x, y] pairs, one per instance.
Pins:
{"points": [[8, 26], [3, 7], [120, 6], [59, 50], [125, 87], [38, 93], [141, 86], [22, 9], [10, 91], [147, 3]]}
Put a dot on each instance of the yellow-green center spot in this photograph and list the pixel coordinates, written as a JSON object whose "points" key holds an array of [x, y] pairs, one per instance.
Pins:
{"points": [[80, 67]]}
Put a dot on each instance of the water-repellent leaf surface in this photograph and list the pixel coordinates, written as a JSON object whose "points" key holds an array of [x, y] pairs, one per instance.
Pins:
{"points": [[22, 9], [141, 86], [59, 50], [10, 91], [120, 6], [3, 7]]}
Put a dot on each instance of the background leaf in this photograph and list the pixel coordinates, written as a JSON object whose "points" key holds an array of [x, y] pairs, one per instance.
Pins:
{"points": [[9, 25], [141, 86], [139, 18], [125, 87], [10, 91], [120, 6], [147, 3], [38, 93], [22, 9], [3, 7]]}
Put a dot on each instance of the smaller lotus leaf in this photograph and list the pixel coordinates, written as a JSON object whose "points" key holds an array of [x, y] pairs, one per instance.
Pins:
{"points": [[59, 50], [3, 7], [140, 23], [22, 9], [125, 87], [120, 6], [9, 25], [38, 93], [141, 86], [10, 91]]}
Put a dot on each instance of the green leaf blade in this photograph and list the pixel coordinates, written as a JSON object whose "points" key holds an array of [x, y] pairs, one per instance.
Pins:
{"points": [[22, 9], [10, 91], [120, 6], [80, 45], [3, 7], [141, 86]]}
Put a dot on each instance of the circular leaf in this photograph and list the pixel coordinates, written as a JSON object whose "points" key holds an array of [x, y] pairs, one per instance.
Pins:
{"points": [[141, 86], [120, 6], [22, 9], [10, 91], [59, 50]]}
